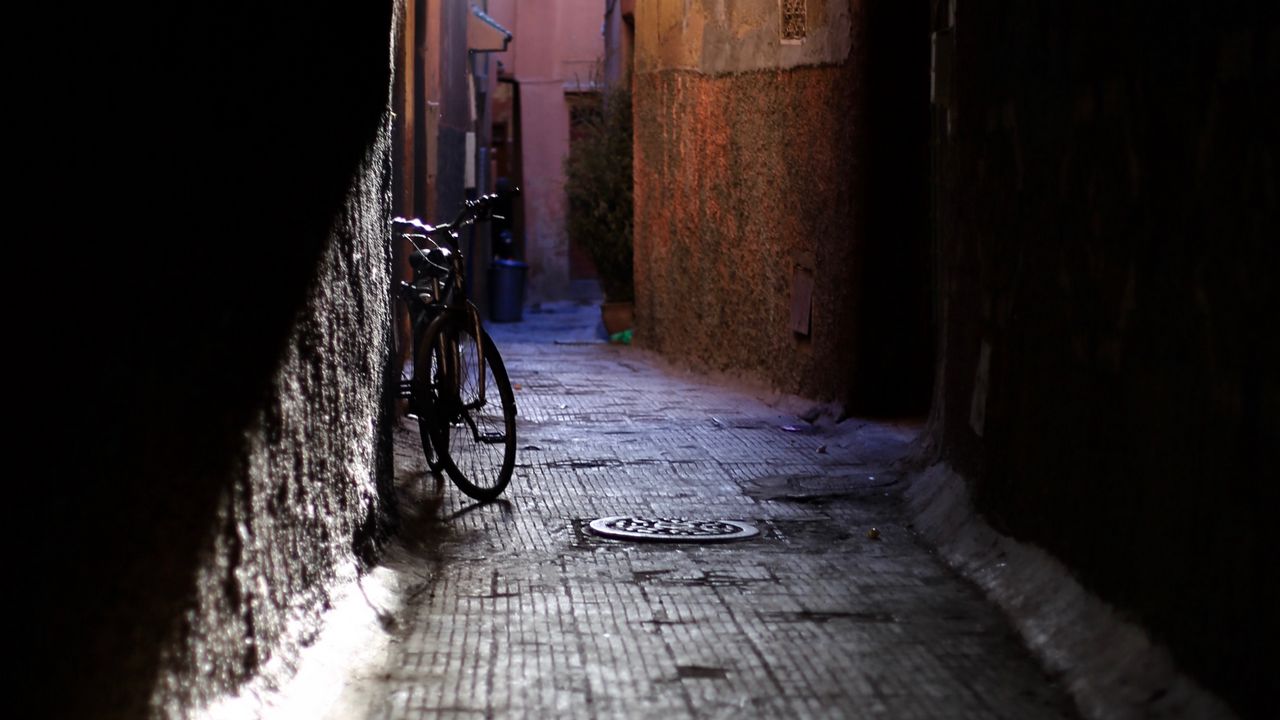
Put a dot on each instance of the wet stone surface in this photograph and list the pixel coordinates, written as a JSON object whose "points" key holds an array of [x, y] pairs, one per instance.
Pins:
{"points": [[516, 609]]}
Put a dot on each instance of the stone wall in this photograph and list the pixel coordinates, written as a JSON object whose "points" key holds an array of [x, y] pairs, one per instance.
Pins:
{"points": [[756, 172], [725, 210], [1107, 227], [230, 429]]}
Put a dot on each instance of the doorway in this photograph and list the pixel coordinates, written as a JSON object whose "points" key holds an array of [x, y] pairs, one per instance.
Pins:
{"points": [[893, 375]]}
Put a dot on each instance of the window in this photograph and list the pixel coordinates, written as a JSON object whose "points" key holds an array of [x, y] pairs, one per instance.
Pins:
{"points": [[794, 22]]}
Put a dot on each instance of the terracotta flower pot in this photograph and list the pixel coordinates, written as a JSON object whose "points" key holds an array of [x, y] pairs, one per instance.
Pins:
{"points": [[618, 316]]}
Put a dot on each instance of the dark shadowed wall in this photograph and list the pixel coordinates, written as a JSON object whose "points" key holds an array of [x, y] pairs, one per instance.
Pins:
{"points": [[231, 461], [454, 108], [1111, 374]]}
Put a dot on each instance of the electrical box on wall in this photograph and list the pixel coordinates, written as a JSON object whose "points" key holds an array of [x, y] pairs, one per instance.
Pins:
{"points": [[802, 294], [470, 180]]}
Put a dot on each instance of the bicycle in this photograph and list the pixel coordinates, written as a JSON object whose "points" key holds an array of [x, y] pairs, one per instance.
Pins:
{"points": [[455, 363]]}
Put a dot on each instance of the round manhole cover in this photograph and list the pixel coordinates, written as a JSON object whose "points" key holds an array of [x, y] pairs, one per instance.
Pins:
{"points": [[671, 529]]}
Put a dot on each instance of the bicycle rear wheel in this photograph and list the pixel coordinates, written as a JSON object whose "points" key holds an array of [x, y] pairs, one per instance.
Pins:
{"points": [[428, 377], [474, 437]]}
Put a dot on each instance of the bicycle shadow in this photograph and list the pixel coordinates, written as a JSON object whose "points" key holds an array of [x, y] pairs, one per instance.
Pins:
{"points": [[504, 507], [424, 528], [428, 527]]}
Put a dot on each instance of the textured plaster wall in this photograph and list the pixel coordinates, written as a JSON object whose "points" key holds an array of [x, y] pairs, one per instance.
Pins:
{"points": [[731, 191], [743, 175], [299, 507], [232, 463], [1108, 224], [544, 130], [727, 36], [724, 207]]}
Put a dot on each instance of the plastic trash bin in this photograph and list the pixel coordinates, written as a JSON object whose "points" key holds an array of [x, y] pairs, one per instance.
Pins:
{"points": [[506, 290]]}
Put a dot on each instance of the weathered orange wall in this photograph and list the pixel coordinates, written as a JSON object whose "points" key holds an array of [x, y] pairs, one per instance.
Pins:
{"points": [[757, 155], [733, 184], [745, 169]]}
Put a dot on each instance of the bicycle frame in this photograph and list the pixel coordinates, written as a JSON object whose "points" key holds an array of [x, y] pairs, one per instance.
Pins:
{"points": [[447, 285], [460, 419], [457, 313]]}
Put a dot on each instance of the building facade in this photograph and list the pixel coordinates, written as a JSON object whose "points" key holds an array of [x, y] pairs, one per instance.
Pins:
{"points": [[553, 68]]}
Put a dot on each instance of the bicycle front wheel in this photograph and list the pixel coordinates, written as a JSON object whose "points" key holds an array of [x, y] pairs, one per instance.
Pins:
{"points": [[472, 426]]}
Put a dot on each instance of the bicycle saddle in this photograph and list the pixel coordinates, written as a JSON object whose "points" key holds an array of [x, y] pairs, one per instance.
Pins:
{"points": [[435, 262]]}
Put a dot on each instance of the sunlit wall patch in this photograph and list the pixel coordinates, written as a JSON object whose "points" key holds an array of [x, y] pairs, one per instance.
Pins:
{"points": [[794, 21]]}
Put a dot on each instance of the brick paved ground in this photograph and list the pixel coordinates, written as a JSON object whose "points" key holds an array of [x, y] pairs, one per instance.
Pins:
{"points": [[513, 609]]}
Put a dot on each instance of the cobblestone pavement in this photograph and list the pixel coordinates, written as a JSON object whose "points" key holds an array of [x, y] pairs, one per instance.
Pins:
{"points": [[515, 609]]}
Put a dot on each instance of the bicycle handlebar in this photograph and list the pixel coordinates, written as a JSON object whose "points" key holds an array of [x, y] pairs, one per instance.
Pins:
{"points": [[472, 211]]}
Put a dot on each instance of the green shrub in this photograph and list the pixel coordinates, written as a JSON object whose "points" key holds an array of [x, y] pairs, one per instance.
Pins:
{"points": [[598, 182]]}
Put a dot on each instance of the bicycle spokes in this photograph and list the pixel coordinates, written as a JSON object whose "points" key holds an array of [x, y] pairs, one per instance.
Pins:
{"points": [[460, 389], [479, 431]]}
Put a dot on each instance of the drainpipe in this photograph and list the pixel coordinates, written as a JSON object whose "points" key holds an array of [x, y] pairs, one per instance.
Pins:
{"points": [[484, 36]]}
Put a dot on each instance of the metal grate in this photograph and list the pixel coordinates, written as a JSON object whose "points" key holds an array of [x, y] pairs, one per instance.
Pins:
{"points": [[794, 22], [671, 529]]}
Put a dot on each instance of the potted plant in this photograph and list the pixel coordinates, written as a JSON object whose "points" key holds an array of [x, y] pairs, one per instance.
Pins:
{"points": [[599, 186]]}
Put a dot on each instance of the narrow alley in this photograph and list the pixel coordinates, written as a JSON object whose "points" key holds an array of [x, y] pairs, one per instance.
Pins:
{"points": [[515, 609], [1035, 242]]}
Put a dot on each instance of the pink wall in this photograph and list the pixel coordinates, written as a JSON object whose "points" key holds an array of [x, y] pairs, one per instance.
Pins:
{"points": [[556, 46]]}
